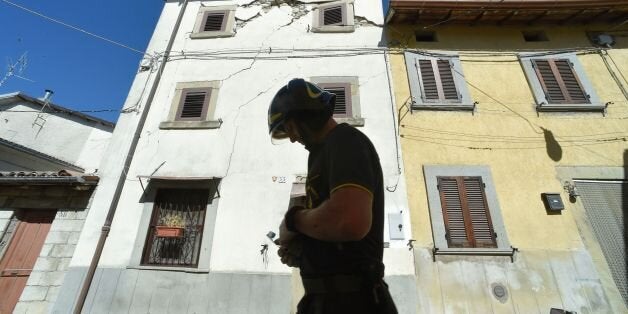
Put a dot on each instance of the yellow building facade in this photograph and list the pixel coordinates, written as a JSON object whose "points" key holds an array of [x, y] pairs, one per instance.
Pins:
{"points": [[499, 121]]}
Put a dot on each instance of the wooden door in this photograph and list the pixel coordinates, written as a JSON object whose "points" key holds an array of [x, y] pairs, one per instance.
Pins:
{"points": [[19, 258]]}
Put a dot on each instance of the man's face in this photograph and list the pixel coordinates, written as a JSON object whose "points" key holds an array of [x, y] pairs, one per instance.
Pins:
{"points": [[293, 131]]}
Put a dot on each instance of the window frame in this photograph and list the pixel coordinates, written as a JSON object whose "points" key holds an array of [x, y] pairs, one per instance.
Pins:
{"points": [[148, 200], [541, 101], [352, 83], [348, 16], [206, 121], [228, 22], [416, 85], [441, 245]]}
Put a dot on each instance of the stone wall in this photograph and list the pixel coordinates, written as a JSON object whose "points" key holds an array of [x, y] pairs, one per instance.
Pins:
{"points": [[51, 266]]}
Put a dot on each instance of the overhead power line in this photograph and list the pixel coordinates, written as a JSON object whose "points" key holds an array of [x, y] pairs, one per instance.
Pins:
{"points": [[73, 27]]}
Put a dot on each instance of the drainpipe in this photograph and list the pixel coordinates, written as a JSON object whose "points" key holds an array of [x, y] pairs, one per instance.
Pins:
{"points": [[127, 163]]}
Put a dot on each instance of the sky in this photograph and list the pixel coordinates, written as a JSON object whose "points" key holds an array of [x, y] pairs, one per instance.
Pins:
{"points": [[85, 73]]}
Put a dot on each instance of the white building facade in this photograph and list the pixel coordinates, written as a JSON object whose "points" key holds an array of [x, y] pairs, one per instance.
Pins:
{"points": [[201, 162]]}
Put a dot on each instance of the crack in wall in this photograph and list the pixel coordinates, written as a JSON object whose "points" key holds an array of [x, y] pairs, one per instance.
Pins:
{"points": [[363, 21]]}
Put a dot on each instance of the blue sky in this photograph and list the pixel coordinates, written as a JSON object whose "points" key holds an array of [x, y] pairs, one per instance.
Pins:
{"points": [[84, 72]]}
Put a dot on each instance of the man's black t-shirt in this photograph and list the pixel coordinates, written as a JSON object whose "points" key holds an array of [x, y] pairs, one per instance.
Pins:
{"points": [[345, 158]]}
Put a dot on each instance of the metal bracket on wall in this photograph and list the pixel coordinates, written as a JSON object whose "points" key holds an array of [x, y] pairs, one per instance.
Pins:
{"points": [[510, 253]]}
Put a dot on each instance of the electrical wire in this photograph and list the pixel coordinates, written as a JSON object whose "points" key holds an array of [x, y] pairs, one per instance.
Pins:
{"points": [[73, 27], [476, 135]]}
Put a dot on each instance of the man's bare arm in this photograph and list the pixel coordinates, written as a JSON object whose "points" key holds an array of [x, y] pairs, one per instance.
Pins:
{"points": [[346, 216]]}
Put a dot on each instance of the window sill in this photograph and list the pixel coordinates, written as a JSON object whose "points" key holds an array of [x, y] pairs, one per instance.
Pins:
{"points": [[172, 268], [175, 125], [351, 121], [205, 35], [570, 107], [444, 107], [510, 252], [334, 29]]}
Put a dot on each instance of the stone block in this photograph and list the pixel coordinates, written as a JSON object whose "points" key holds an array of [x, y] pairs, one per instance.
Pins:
{"points": [[57, 237], [64, 264], [74, 237], [35, 278], [62, 250], [67, 225], [21, 308], [53, 292], [46, 264], [34, 293], [39, 307], [45, 250], [71, 214], [53, 278]]}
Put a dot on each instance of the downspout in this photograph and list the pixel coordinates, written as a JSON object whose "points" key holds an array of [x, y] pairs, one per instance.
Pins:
{"points": [[127, 163]]}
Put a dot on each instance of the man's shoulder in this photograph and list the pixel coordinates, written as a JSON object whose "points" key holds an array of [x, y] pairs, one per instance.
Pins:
{"points": [[344, 132]]}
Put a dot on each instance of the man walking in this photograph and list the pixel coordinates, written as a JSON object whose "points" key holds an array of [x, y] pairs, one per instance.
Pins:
{"points": [[337, 238]]}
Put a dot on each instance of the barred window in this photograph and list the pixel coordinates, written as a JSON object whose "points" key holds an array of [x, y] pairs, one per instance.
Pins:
{"points": [[176, 228]]}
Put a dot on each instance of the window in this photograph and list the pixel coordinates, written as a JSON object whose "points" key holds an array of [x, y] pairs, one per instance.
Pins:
{"points": [[464, 211], [214, 21], [437, 82], [193, 106], [532, 36], [176, 228], [177, 224], [346, 88], [425, 36], [559, 83], [334, 17]]}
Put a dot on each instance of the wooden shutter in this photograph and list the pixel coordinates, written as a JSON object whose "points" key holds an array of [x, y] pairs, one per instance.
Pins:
{"points": [[465, 212], [332, 16], [343, 98], [194, 104], [560, 82], [214, 22], [437, 80]]}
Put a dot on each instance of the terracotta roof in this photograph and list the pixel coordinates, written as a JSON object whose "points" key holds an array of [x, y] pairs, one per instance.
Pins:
{"points": [[505, 12], [47, 177]]}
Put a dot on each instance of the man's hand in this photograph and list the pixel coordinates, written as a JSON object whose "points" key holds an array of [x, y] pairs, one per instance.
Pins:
{"points": [[290, 246]]}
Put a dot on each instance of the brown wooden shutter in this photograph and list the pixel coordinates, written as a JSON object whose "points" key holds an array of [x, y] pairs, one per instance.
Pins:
{"points": [[482, 228], [450, 198], [194, 105], [332, 16], [465, 212], [560, 82], [213, 23], [343, 98], [437, 81]]}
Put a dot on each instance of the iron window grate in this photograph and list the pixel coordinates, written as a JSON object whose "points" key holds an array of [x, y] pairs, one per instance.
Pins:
{"points": [[605, 204], [180, 248]]}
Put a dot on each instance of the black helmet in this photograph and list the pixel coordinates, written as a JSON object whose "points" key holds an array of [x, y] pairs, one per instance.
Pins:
{"points": [[297, 95]]}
